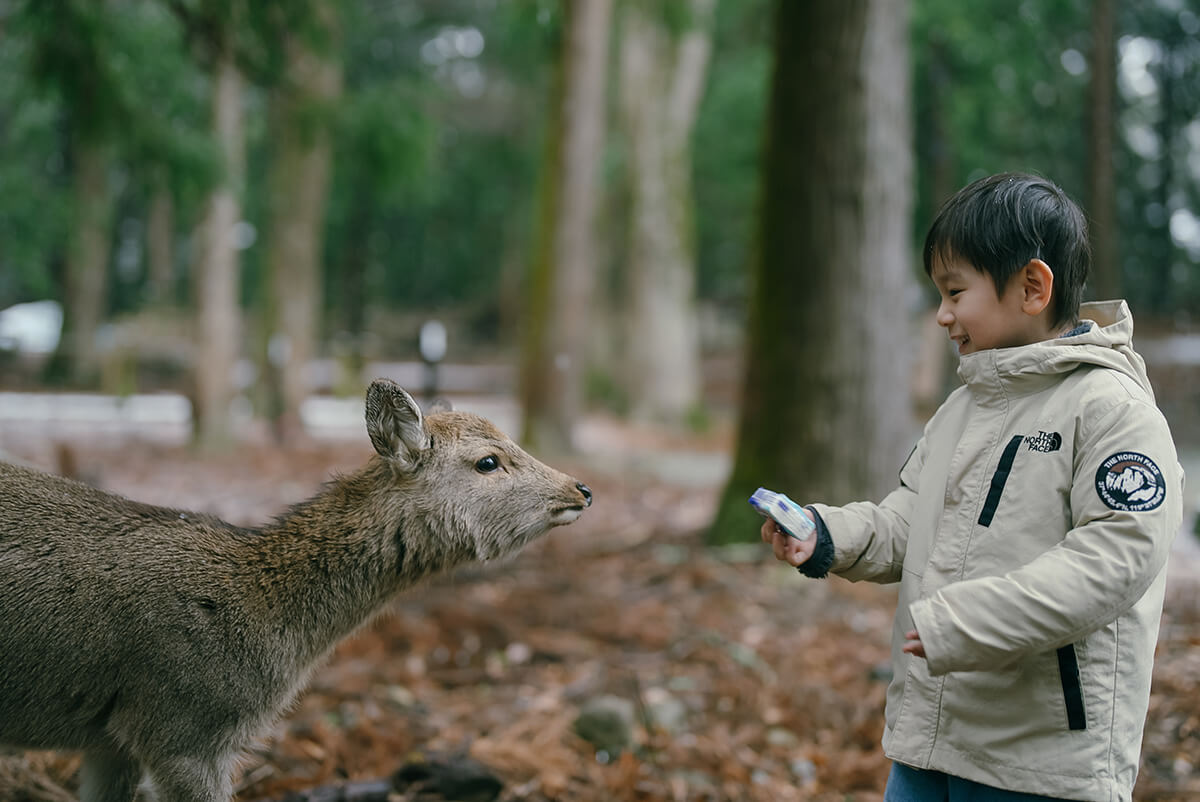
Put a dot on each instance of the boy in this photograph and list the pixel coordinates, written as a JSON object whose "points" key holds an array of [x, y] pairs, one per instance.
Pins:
{"points": [[1032, 524]]}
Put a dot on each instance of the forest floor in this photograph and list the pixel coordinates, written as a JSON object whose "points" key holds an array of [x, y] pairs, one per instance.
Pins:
{"points": [[747, 682]]}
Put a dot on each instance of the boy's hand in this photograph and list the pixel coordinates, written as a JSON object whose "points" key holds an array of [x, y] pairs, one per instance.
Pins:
{"points": [[787, 549], [912, 644]]}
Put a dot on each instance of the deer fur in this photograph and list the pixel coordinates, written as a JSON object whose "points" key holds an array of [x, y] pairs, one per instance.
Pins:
{"points": [[160, 641]]}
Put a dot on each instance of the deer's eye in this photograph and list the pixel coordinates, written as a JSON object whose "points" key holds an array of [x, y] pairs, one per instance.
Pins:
{"points": [[487, 464]]}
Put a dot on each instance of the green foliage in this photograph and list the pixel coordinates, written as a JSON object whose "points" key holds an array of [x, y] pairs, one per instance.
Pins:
{"points": [[435, 148], [438, 133], [77, 53], [114, 73], [1158, 186], [1003, 86], [727, 145], [992, 76], [386, 143], [33, 211]]}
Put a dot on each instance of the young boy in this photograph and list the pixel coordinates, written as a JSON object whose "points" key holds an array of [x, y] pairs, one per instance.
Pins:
{"points": [[1032, 524]]}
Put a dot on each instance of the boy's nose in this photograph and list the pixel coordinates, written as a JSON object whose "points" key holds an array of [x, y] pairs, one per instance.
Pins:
{"points": [[944, 318]]}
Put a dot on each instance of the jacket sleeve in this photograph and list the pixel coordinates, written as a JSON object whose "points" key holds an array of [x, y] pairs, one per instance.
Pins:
{"points": [[869, 540], [1117, 547]]}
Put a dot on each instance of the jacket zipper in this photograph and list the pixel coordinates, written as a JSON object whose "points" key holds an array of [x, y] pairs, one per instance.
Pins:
{"points": [[1068, 669], [1068, 663], [999, 478]]}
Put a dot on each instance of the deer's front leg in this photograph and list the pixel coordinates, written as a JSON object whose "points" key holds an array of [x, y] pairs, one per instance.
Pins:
{"points": [[108, 776], [191, 779]]}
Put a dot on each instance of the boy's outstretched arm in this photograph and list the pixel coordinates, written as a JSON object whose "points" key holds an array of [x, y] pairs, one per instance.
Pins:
{"points": [[870, 538]]}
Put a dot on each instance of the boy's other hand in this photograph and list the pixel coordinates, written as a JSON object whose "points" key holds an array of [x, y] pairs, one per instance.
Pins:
{"points": [[912, 644], [787, 549]]}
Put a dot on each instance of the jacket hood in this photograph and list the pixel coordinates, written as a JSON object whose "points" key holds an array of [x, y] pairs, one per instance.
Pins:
{"points": [[1107, 343]]}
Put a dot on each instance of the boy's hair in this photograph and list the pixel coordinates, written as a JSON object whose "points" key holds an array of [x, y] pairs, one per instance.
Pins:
{"points": [[999, 223]]}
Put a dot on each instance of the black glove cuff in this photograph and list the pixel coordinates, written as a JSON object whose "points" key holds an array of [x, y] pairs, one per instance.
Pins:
{"points": [[817, 566]]}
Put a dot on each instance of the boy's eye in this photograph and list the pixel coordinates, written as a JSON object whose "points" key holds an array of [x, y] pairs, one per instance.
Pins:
{"points": [[952, 293]]}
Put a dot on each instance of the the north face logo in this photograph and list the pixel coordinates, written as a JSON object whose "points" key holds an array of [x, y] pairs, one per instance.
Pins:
{"points": [[1044, 441], [1131, 482]]}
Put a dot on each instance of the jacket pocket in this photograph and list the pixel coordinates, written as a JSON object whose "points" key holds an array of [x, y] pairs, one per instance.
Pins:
{"points": [[999, 478], [1068, 670]]}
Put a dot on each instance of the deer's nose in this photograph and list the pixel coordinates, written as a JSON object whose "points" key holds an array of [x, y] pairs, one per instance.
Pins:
{"points": [[587, 492]]}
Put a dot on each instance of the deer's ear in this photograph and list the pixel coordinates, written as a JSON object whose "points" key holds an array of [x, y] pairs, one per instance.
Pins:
{"points": [[394, 423]]}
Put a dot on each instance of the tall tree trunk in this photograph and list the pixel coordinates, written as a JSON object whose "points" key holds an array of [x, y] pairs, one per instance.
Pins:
{"points": [[1158, 263], [299, 189], [1102, 203], [160, 243], [85, 297], [215, 272], [662, 80], [825, 409], [560, 291]]}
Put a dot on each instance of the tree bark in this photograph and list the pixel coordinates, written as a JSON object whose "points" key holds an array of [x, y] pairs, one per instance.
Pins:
{"points": [[560, 290], [218, 318], [825, 409], [86, 276], [299, 189], [662, 81], [1102, 203]]}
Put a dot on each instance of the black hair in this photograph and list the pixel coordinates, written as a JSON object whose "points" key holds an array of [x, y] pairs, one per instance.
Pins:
{"points": [[999, 223]]}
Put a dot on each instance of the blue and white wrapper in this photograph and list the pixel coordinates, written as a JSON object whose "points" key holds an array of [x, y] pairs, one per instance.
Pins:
{"points": [[788, 514]]}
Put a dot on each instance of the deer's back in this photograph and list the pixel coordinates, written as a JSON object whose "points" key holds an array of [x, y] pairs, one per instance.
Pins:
{"points": [[103, 601]]}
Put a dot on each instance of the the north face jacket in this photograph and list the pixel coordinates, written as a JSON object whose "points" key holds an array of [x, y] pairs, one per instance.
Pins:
{"points": [[1030, 536]]}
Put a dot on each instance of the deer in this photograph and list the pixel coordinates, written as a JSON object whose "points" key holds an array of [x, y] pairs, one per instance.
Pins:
{"points": [[160, 642]]}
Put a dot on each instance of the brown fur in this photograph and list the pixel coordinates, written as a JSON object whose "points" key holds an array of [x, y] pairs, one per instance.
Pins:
{"points": [[162, 640]]}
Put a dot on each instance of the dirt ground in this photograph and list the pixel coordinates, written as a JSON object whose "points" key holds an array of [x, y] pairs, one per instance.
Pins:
{"points": [[749, 682]]}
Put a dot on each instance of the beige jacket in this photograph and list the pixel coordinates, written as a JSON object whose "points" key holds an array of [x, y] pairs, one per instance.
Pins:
{"points": [[1030, 536]]}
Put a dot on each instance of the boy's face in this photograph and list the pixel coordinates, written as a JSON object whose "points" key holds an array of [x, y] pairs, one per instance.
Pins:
{"points": [[974, 315]]}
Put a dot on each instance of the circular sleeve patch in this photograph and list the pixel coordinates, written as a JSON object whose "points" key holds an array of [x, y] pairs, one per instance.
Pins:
{"points": [[1130, 482]]}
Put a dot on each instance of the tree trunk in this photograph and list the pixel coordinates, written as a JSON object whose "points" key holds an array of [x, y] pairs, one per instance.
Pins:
{"points": [[216, 269], [825, 409], [1102, 202], [299, 188], [560, 291], [85, 294], [662, 80]]}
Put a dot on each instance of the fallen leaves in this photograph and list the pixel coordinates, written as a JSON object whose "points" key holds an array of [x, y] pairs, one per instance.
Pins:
{"points": [[748, 682]]}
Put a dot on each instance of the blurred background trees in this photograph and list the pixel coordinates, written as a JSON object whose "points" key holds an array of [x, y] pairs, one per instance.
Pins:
{"points": [[631, 210]]}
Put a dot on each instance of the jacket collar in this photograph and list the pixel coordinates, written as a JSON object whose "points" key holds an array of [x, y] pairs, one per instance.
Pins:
{"points": [[1030, 368]]}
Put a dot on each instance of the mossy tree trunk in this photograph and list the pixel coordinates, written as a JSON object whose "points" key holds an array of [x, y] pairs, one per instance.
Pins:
{"points": [[215, 271], [85, 288], [554, 346], [300, 116], [825, 412], [662, 81]]}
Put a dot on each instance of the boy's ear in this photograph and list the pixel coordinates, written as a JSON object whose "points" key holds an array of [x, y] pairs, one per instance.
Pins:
{"points": [[1037, 285]]}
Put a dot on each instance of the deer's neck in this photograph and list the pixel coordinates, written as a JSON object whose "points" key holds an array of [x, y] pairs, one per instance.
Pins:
{"points": [[331, 563]]}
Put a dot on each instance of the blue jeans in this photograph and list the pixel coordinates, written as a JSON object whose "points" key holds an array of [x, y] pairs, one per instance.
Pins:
{"points": [[906, 784]]}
